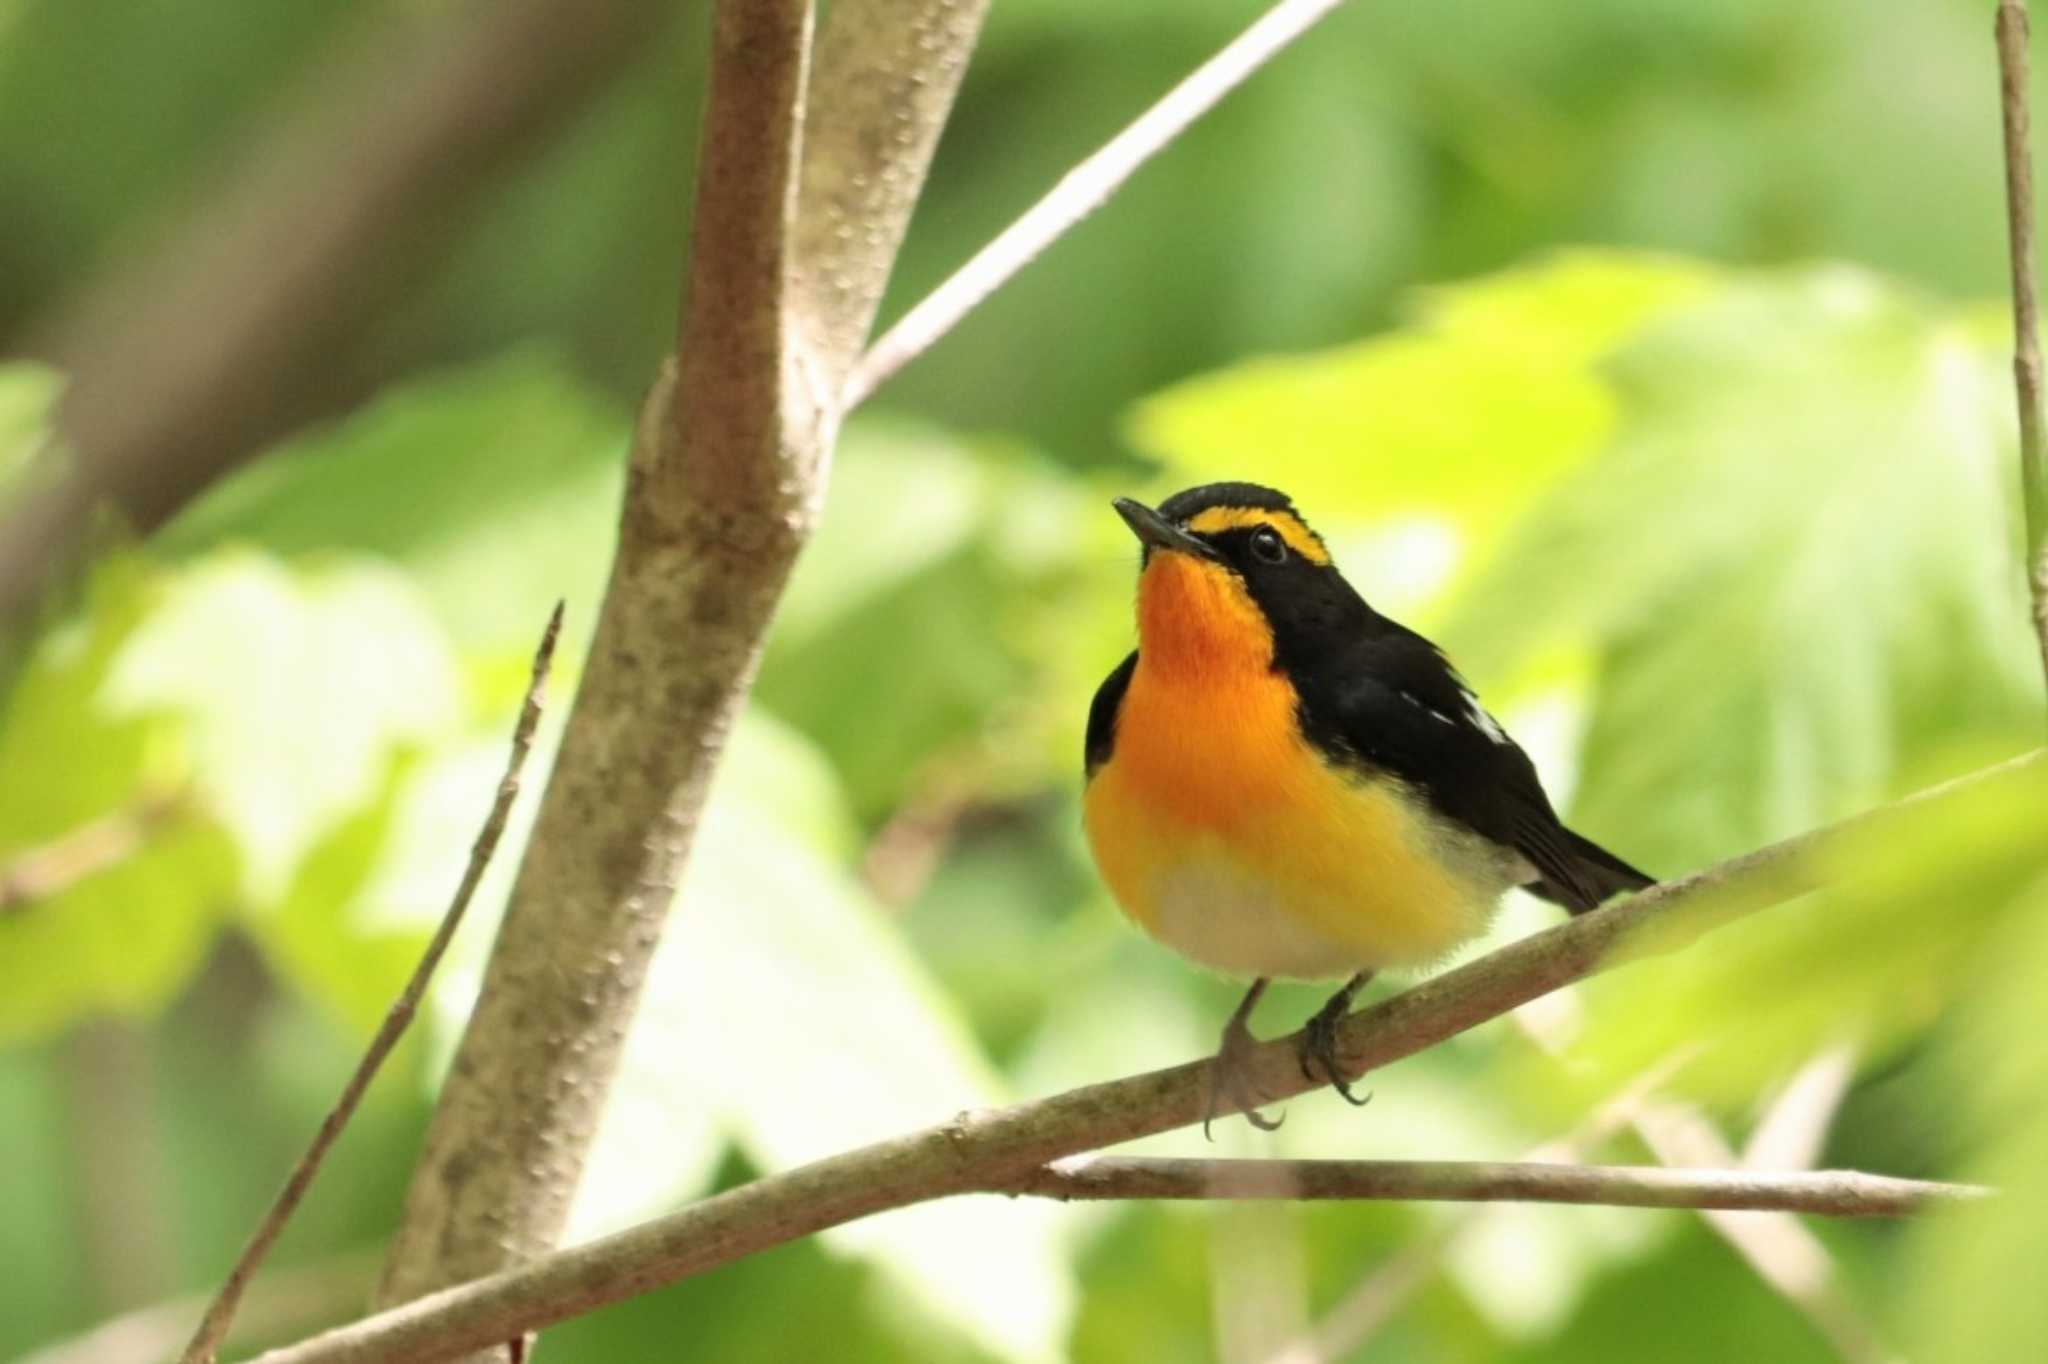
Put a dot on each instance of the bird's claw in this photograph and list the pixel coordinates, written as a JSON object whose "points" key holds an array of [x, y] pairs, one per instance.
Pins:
{"points": [[1319, 1045], [1230, 1086]]}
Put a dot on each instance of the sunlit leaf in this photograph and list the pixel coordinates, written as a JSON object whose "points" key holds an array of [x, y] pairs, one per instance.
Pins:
{"points": [[367, 892], [906, 628], [1464, 414], [294, 689], [1794, 562], [496, 488], [131, 928]]}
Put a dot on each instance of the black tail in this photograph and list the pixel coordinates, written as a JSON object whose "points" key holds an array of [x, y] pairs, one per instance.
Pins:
{"points": [[1596, 869]]}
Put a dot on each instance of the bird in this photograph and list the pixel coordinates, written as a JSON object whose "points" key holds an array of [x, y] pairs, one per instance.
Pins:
{"points": [[1281, 782]]}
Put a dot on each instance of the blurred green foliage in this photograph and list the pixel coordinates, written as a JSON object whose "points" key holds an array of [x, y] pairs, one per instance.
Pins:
{"points": [[1726, 535]]}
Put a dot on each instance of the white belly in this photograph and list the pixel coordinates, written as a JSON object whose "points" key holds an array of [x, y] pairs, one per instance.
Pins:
{"points": [[1224, 917], [1213, 909]]}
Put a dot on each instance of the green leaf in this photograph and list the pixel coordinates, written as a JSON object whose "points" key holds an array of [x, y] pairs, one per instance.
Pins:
{"points": [[352, 921], [905, 497], [72, 759], [496, 488], [907, 621], [294, 689], [1794, 564], [1487, 396]]}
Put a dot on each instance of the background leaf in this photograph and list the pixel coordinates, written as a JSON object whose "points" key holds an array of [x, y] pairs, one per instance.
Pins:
{"points": [[1485, 397], [495, 489], [127, 936], [1781, 636]]}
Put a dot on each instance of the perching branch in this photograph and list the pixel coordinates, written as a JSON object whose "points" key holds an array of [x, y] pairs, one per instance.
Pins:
{"points": [[220, 1313], [1079, 193], [986, 1150], [796, 223], [245, 324], [48, 869], [1827, 1193], [2012, 30]]}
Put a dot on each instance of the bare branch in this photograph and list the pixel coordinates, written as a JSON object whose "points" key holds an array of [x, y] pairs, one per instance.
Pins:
{"points": [[220, 1314], [244, 325], [2012, 30], [51, 868], [887, 72], [980, 1150], [714, 512], [726, 479], [1827, 1193], [1079, 193]]}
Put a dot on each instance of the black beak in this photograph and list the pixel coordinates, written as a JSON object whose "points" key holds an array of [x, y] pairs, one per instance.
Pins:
{"points": [[1156, 532]]}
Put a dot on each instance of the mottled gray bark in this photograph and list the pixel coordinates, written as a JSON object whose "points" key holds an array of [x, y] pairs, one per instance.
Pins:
{"points": [[726, 479]]}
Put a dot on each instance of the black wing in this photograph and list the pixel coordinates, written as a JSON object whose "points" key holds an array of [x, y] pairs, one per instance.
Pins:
{"points": [[1109, 698], [1395, 702]]}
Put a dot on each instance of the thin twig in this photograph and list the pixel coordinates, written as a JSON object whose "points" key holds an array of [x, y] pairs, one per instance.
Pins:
{"points": [[213, 1327], [1079, 193], [980, 1149], [1826, 1193], [2012, 30], [47, 869]]}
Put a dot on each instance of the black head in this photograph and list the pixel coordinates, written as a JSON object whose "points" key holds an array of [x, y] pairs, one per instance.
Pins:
{"points": [[1253, 537]]}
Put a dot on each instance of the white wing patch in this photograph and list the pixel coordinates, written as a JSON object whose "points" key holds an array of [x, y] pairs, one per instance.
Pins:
{"points": [[1475, 715], [1488, 726], [1431, 711]]}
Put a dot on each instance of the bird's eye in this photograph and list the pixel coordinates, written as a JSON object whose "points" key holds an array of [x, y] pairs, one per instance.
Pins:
{"points": [[1267, 544]]}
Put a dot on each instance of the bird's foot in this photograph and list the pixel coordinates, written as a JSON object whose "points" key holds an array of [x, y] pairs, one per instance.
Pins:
{"points": [[1230, 1085], [1319, 1043]]}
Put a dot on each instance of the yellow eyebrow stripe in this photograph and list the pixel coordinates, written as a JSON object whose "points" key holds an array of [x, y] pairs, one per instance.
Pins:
{"points": [[1299, 537]]}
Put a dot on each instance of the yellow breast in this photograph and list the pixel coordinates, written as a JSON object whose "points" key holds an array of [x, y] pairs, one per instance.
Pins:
{"points": [[1225, 835]]}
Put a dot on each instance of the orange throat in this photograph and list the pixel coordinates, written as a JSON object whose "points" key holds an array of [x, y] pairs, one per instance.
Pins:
{"points": [[1208, 730], [1197, 622]]}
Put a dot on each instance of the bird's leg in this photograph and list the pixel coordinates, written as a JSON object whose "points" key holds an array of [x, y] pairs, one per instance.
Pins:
{"points": [[1319, 1039], [1227, 1080]]}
